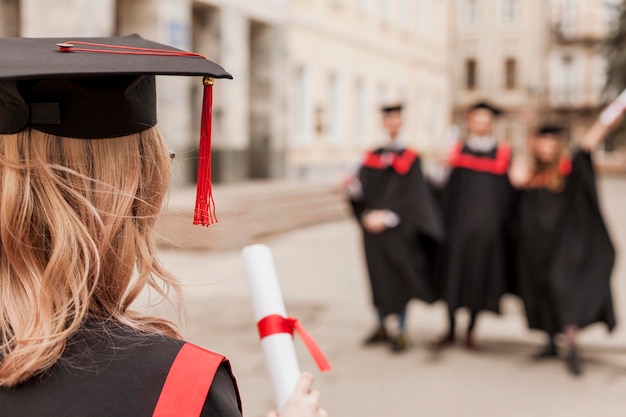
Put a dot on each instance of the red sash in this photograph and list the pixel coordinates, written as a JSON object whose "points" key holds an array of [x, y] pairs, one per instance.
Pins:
{"points": [[400, 163], [497, 166], [188, 382]]}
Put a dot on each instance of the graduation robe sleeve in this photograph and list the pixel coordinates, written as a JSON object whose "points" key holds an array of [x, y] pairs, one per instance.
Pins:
{"points": [[584, 260], [223, 399]]}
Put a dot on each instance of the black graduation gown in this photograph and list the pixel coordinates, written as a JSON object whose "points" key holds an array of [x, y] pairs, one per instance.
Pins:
{"points": [[478, 203], [400, 260], [565, 253], [111, 370]]}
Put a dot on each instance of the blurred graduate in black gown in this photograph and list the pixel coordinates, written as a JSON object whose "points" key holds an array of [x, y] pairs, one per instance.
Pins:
{"points": [[401, 226], [477, 206], [565, 254]]}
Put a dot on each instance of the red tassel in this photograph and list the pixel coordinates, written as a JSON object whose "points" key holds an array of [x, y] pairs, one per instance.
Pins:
{"points": [[204, 213]]}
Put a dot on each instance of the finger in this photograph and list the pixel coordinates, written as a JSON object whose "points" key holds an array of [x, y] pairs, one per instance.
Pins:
{"points": [[272, 414], [322, 413], [314, 396], [304, 384]]}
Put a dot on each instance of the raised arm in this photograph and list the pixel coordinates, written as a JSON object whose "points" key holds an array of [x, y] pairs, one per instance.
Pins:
{"points": [[610, 118], [596, 135]]}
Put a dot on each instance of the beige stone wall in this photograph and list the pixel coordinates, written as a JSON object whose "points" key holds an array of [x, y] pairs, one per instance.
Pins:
{"points": [[491, 34], [61, 18], [349, 57], [353, 56], [576, 66], [560, 73]]}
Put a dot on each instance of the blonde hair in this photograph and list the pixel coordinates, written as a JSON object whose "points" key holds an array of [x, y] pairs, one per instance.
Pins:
{"points": [[76, 221]]}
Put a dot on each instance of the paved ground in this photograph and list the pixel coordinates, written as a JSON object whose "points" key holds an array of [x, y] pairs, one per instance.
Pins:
{"points": [[322, 275]]}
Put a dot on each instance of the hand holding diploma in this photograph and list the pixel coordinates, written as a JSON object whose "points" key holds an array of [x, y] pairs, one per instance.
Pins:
{"points": [[276, 329], [303, 402]]}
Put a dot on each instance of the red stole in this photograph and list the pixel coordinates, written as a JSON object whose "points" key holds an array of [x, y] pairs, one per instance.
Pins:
{"points": [[497, 166], [401, 163], [188, 382]]}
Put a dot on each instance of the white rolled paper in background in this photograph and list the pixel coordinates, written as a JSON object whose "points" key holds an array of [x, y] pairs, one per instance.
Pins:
{"points": [[612, 112], [267, 300]]}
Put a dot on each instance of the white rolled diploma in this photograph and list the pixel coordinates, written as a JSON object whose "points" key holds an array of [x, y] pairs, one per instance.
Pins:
{"points": [[279, 350], [612, 112]]}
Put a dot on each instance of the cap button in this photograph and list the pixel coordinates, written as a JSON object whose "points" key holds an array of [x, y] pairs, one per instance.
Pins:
{"points": [[65, 47]]}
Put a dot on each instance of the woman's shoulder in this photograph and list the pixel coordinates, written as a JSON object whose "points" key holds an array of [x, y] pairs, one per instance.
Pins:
{"points": [[109, 368], [99, 344], [184, 363]]}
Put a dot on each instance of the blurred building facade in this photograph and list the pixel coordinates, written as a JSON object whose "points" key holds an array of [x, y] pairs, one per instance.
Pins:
{"points": [[576, 66], [310, 75], [347, 58], [539, 60]]}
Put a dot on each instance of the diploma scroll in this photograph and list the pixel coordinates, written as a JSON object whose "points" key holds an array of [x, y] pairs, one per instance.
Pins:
{"points": [[612, 112], [279, 351]]}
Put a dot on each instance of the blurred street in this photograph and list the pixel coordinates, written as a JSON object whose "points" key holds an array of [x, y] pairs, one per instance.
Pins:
{"points": [[324, 284]]}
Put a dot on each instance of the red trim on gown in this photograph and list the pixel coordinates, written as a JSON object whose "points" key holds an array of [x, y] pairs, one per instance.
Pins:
{"points": [[497, 166], [188, 382], [400, 162]]}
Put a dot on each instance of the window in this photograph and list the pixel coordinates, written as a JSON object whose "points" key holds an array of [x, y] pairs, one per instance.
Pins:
{"points": [[334, 110], [510, 11], [383, 94], [404, 13], [425, 17], [598, 77], [303, 122], [510, 74], [363, 5], [471, 70], [385, 10], [566, 91], [568, 18], [472, 11], [360, 119]]}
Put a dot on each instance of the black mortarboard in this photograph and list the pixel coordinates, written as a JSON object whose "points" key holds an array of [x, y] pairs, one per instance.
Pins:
{"points": [[486, 106], [391, 108], [91, 88], [549, 129]]}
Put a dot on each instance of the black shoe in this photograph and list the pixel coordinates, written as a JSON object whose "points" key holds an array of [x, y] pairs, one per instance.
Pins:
{"points": [[470, 343], [547, 352], [380, 335], [444, 342], [573, 361], [399, 343]]}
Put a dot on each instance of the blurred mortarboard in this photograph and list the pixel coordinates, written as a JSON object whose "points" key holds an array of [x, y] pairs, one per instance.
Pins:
{"points": [[486, 106], [549, 129], [92, 88], [391, 108]]}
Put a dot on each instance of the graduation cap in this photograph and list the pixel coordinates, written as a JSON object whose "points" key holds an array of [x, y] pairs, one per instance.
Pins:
{"points": [[391, 108], [550, 129], [93, 88], [486, 106]]}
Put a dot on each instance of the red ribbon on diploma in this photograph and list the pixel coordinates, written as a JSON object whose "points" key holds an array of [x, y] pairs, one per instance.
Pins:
{"points": [[275, 324]]}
